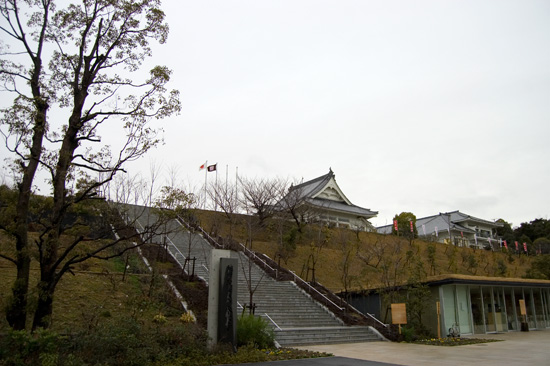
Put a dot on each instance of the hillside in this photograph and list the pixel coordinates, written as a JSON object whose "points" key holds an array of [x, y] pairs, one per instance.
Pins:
{"points": [[100, 292], [348, 260]]}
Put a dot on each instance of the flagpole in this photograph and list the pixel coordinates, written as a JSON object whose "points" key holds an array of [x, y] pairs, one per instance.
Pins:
{"points": [[216, 204], [236, 180], [205, 183]]}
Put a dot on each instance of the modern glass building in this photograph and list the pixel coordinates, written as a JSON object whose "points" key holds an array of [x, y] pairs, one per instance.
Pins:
{"points": [[475, 305], [479, 305]]}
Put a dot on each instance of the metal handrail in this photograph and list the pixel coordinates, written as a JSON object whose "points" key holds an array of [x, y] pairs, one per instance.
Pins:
{"points": [[268, 317], [249, 252], [314, 289], [173, 246]]}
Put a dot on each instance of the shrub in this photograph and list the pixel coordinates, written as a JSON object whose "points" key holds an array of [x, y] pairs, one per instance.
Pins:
{"points": [[127, 342], [19, 347], [252, 330], [408, 334]]}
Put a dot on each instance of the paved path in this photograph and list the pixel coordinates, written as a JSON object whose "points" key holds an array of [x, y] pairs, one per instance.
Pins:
{"points": [[517, 348], [324, 361]]}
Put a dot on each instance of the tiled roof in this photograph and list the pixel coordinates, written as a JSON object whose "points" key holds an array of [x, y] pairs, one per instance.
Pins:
{"points": [[312, 187], [340, 206], [308, 190], [441, 221]]}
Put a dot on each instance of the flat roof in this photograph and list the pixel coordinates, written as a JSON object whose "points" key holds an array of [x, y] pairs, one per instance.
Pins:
{"points": [[450, 279], [482, 280]]}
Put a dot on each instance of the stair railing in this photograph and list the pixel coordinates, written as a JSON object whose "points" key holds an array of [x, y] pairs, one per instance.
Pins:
{"points": [[297, 279], [309, 287], [173, 246], [271, 320]]}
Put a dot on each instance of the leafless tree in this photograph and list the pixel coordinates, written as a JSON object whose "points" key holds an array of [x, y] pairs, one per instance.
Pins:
{"points": [[261, 195], [225, 196], [349, 251], [293, 205]]}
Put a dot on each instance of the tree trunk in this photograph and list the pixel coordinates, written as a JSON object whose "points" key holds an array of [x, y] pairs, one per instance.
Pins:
{"points": [[50, 247], [44, 309], [48, 277], [16, 310]]}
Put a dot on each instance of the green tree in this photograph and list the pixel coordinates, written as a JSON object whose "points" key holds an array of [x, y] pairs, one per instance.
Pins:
{"points": [[542, 245], [535, 229], [404, 220], [431, 251], [417, 298], [540, 268], [69, 60], [505, 232]]}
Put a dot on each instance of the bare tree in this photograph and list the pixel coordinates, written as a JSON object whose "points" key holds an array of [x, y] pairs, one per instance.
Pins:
{"points": [[252, 224], [323, 237], [349, 252], [82, 45], [224, 195], [292, 204], [261, 195]]}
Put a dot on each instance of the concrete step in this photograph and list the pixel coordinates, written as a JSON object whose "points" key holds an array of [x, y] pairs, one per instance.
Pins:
{"points": [[324, 335], [296, 317]]}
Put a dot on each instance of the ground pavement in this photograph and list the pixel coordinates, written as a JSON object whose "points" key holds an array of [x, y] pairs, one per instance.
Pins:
{"points": [[517, 348]]}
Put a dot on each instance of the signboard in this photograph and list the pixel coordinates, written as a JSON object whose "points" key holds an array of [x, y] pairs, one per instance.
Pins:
{"points": [[399, 313], [522, 308], [227, 306]]}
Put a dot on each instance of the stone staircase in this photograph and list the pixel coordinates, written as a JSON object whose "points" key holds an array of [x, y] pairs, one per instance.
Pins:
{"points": [[295, 316]]}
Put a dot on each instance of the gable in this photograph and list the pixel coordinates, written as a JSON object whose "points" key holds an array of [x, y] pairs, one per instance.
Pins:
{"points": [[330, 191]]}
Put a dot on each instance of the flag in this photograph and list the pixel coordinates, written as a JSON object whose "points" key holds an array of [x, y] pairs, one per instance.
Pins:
{"points": [[475, 238], [436, 233], [412, 230], [211, 168], [505, 245], [525, 247], [516, 246], [395, 225], [424, 229], [500, 242], [202, 166]]}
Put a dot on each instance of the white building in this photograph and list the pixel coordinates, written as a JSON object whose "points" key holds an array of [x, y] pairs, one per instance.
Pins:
{"points": [[321, 199], [457, 228]]}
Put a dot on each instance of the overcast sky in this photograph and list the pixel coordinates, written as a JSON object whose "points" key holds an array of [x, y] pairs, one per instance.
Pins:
{"points": [[420, 106]]}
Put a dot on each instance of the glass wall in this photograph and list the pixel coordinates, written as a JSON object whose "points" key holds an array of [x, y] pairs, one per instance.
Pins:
{"points": [[546, 305], [463, 306], [518, 295], [500, 310], [530, 305], [486, 309], [476, 299], [448, 306], [511, 318]]}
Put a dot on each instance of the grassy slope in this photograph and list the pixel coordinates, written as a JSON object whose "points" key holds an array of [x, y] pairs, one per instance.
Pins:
{"points": [[95, 292], [395, 254]]}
